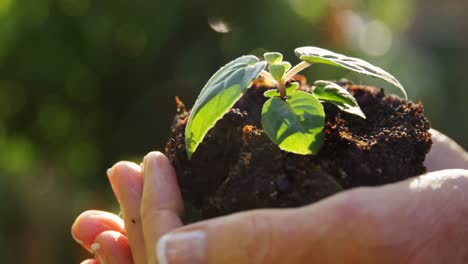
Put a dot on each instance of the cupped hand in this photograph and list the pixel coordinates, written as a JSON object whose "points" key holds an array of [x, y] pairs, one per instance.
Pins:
{"points": [[421, 220]]}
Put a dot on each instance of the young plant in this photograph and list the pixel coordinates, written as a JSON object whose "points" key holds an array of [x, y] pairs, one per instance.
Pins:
{"points": [[292, 119]]}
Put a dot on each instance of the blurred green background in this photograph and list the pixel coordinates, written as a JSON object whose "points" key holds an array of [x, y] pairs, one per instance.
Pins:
{"points": [[85, 83]]}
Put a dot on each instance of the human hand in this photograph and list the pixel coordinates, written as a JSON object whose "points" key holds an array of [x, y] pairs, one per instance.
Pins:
{"points": [[420, 220], [150, 203]]}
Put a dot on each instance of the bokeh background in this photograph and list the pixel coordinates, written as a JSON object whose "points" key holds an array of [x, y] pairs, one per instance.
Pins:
{"points": [[86, 83]]}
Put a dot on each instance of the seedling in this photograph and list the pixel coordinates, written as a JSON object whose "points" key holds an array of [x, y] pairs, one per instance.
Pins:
{"points": [[292, 119]]}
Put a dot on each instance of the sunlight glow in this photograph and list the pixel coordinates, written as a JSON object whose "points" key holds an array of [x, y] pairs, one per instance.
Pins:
{"points": [[375, 39]]}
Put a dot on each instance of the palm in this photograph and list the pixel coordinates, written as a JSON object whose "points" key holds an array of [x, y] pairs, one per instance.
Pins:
{"points": [[151, 204]]}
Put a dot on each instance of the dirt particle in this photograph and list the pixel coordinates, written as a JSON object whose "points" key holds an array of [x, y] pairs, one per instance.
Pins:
{"points": [[283, 184]]}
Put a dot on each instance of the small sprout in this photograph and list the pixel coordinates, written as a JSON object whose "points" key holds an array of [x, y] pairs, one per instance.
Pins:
{"points": [[276, 66], [292, 119]]}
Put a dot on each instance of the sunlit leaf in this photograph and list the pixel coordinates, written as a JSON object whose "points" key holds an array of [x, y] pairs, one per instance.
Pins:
{"points": [[286, 65], [271, 93], [296, 124], [337, 95], [220, 93], [289, 89], [277, 71], [273, 57], [318, 55]]}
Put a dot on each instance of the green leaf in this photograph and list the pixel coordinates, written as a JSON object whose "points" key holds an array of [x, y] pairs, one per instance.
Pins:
{"points": [[273, 57], [220, 93], [271, 93], [277, 71], [296, 124], [286, 65], [339, 96], [318, 55], [291, 87]]}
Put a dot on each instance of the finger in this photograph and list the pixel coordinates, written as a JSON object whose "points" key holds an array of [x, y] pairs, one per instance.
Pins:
{"points": [[445, 154], [90, 224], [416, 221], [89, 261], [112, 247], [161, 203], [127, 183]]}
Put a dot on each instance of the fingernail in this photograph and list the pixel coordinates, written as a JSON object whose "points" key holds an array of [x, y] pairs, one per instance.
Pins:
{"points": [[95, 247], [112, 179], [146, 161], [183, 247], [148, 165], [110, 172]]}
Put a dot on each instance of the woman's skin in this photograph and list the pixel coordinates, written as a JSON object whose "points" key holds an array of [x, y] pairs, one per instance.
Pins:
{"points": [[420, 220]]}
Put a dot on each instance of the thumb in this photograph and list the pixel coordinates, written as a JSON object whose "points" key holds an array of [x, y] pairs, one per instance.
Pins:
{"points": [[445, 153], [414, 221], [328, 232]]}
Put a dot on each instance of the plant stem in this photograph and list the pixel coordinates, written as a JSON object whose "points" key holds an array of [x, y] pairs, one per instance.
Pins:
{"points": [[268, 76], [282, 89], [295, 70]]}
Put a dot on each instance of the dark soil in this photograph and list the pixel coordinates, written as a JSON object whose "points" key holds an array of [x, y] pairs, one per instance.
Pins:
{"points": [[238, 168]]}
